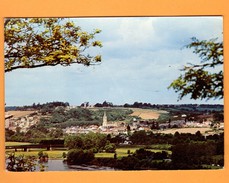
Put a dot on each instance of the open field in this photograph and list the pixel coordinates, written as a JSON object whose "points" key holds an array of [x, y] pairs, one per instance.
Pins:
{"points": [[16, 143], [143, 113], [57, 154], [18, 114], [147, 113], [51, 154], [121, 152]]}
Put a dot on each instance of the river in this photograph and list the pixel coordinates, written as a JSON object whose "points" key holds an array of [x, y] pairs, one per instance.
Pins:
{"points": [[59, 165]]}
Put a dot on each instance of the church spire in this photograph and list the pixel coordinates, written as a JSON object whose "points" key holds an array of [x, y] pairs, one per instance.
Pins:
{"points": [[104, 119]]}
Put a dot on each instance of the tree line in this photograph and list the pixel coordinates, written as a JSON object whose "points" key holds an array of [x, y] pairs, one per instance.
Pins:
{"points": [[188, 151], [56, 119]]}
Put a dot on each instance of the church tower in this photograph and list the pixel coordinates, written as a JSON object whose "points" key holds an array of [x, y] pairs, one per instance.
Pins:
{"points": [[104, 119]]}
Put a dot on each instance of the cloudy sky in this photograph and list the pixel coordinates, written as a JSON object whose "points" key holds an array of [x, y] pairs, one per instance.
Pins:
{"points": [[141, 56]]}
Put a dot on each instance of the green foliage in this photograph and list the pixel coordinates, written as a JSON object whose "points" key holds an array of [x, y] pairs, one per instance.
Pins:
{"points": [[114, 114], [198, 80], [35, 134], [63, 118], [159, 147], [80, 114], [8, 134], [43, 108], [42, 154], [95, 141], [38, 132], [79, 156], [142, 160], [110, 148], [218, 116], [21, 163], [193, 155], [54, 154], [164, 117], [56, 133], [73, 142], [64, 155], [152, 139], [73, 117], [38, 42], [140, 137]]}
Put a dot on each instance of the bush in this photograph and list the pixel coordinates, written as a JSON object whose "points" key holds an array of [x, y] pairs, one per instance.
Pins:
{"points": [[43, 156], [110, 148], [193, 155], [128, 163], [79, 156], [64, 155], [21, 163]]}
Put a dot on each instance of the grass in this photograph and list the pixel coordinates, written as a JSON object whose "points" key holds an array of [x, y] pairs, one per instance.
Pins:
{"points": [[123, 152], [16, 143], [105, 155], [17, 114], [147, 113], [51, 154], [160, 146], [57, 154]]}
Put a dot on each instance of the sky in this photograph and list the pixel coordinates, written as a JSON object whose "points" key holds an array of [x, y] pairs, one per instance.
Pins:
{"points": [[141, 56]]}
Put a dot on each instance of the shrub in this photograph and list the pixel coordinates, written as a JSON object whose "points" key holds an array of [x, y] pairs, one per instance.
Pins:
{"points": [[110, 148], [64, 155], [43, 156], [21, 163], [79, 156]]}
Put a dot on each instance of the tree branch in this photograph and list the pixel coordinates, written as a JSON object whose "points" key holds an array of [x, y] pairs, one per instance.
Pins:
{"points": [[33, 66], [6, 22]]}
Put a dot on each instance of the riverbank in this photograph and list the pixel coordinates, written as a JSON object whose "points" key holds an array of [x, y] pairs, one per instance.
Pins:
{"points": [[120, 152], [60, 165]]}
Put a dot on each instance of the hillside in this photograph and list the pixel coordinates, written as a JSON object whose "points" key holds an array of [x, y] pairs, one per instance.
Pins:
{"points": [[147, 113], [18, 114]]}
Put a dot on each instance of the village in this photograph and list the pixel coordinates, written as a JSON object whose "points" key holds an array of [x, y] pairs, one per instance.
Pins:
{"points": [[52, 132], [155, 105], [23, 120]]}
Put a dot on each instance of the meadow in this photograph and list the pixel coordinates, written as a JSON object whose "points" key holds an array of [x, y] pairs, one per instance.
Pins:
{"points": [[58, 154], [16, 143], [147, 113]]}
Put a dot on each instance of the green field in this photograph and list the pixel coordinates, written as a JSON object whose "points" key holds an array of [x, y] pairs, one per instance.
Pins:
{"points": [[57, 154], [51, 154], [16, 143]]}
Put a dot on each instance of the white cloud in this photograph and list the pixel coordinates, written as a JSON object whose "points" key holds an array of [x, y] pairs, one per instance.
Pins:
{"points": [[141, 56]]}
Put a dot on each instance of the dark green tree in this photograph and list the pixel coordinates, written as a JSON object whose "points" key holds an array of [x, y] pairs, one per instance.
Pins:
{"points": [[204, 80], [73, 142], [140, 137], [78, 156], [91, 140], [110, 148]]}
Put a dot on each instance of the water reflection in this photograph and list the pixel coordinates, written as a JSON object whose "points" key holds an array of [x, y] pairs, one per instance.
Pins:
{"points": [[59, 165]]}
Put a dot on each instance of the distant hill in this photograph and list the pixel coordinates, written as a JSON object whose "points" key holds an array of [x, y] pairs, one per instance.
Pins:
{"points": [[10, 108], [18, 114]]}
